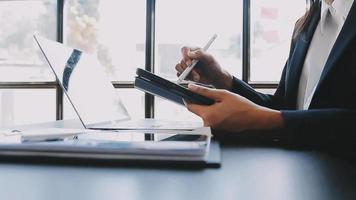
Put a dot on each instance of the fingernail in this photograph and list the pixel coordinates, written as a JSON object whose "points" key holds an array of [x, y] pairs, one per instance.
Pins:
{"points": [[191, 53], [192, 86]]}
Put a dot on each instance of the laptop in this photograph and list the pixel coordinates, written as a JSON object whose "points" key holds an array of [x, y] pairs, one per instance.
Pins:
{"points": [[92, 94]]}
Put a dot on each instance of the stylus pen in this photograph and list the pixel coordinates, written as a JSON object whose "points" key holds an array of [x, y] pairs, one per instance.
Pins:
{"points": [[186, 72]]}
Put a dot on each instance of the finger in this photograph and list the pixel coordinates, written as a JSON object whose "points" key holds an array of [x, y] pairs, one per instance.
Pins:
{"points": [[193, 48], [179, 68], [183, 64], [178, 74], [215, 94], [198, 54], [189, 77], [200, 111], [185, 51], [195, 76], [186, 59], [196, 109]]}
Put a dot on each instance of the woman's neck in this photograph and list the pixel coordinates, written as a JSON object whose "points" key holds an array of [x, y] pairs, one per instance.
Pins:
{"points": [[329, 1]]}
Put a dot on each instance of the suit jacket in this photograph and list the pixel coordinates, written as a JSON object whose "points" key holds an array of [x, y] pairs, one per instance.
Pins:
{"points": [[331, 116]]}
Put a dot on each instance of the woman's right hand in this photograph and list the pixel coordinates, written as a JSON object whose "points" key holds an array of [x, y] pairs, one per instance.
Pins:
{"points": [[207, 70]]}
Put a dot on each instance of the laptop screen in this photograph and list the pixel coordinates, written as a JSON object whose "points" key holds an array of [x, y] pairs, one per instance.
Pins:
{"points": [[85, 83]]}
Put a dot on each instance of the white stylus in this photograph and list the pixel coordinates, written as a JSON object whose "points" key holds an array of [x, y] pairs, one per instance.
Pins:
{"points": [[186, 72]]}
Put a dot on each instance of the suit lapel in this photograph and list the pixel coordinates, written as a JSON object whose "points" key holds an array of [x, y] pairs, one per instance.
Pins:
{"points": [[347, 33], [297, 58]]}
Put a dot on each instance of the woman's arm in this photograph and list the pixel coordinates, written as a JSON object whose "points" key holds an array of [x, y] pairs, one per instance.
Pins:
{"points": [[234, 113], [320, 126], [276, 101]]}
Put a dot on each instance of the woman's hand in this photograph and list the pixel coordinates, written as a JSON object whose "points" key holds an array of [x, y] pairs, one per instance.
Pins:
{"points": [[233, 113], [207, 71]]}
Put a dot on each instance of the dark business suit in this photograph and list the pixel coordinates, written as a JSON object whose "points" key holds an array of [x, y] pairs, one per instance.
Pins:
{"points": [[331, 117]]}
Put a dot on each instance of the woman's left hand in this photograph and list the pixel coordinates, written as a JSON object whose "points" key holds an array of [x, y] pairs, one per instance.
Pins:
{"points": [[232, 112]]}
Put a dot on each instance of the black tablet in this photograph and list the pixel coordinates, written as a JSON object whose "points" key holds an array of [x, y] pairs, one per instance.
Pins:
{"points": [[155, 85]]}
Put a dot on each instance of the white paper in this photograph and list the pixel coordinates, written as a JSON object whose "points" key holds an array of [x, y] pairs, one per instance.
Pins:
{"points": [[50, 134]]}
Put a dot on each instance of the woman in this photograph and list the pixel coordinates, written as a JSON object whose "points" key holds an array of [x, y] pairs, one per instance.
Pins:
{"points": [[316, 96]]}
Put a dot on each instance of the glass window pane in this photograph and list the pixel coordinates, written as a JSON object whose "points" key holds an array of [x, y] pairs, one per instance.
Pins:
{"points": [[267, 91], [178, 24], [132, 99], [20, 58], [114, 30], [24, 106], [272, 23], [68, 110]]}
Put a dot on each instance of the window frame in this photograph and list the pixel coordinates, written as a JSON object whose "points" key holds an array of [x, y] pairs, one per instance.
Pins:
{"points": [[149, 59]]}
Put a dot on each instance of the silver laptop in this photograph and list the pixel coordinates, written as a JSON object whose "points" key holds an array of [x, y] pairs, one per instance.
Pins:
{"points": [[91, 93]]}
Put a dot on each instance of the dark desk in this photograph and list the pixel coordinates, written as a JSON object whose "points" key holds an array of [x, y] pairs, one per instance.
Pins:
{"points": [[246, 173]]}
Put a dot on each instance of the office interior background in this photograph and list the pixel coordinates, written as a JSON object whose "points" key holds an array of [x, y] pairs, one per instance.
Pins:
{"points": [[252, 44]]}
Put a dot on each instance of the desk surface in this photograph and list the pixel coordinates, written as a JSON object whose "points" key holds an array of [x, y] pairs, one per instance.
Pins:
{"points": [[246, 173]]}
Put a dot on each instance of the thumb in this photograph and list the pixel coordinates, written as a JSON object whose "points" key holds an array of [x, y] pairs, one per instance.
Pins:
{"points": [[215, 94], [199, 54]]}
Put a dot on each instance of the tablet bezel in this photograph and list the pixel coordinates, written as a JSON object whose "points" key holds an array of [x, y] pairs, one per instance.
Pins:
{"points": [[173, 88]]}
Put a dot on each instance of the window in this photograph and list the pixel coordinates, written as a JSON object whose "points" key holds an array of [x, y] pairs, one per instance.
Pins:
{"points": [[175, 29], [23, 106], [125, 35], [272, 23], [20, 59], [109, 29]]}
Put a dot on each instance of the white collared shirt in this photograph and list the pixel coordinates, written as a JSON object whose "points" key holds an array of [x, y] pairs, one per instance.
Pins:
{"points": [[332, 19]]}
